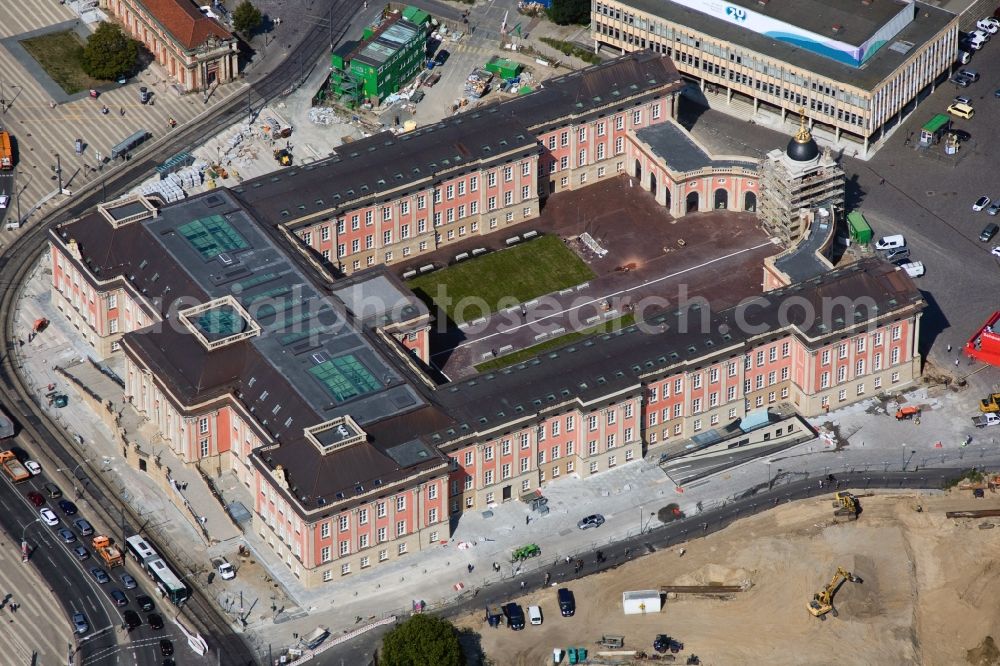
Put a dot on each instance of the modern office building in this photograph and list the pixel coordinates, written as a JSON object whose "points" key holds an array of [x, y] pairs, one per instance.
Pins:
{"points": [[856, 67], [387, 59]]}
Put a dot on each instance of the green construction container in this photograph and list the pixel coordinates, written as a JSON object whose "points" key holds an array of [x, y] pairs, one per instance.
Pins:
{"points": [[416, 16], [861, 231], [504, 68], [524, 90]]}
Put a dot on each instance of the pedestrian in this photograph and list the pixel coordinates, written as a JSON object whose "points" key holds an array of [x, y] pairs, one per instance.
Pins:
{"points": [[527, 520], [949, 349], [567, 559], [522, 584], [576, 568], [548, 577], [882, 182], [469, 567], [956, 362]]}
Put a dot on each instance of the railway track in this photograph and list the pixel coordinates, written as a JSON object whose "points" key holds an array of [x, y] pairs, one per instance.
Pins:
{"points": [[17, 259]]}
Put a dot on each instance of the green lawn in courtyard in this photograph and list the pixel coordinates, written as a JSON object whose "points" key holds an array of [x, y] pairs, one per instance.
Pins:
{"points": [[476, 287], [60, 54]]}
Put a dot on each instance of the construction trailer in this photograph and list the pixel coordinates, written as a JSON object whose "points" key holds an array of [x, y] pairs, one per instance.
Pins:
{"points": [[639, 602]]}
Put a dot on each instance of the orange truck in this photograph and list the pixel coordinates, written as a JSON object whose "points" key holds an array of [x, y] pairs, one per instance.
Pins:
{"points": [[6, 154], [13, 467], [109, 552]]}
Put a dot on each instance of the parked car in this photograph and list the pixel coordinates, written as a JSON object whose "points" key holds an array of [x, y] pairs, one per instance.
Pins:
{"points": [[441, 57], [960, 81], [128, 581], [534, 615], [970, 74], [80, 624], [49, 517], [100, 575], [961, 111], [81, 553], [33, 467], [996, 251], [594, 520], [981, 203], [118, 597], [962, 100], [166, 647], [994, 209], [567, 602], [145, 603], [52, 490], [154, 621], [36, 498], [986, 26], [890, 242], [989, 231], [515, 616], [66, 535], [898, 254], [4, 200], [85, 528], [67, 507]]}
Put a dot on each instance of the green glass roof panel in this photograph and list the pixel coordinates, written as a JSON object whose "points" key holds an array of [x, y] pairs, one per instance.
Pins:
{"points": [[220, 322], [345, 377], [212, 236]]}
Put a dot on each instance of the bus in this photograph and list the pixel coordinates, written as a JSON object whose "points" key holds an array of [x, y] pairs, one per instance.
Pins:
{"points": [[167, 582], [140, 550]]}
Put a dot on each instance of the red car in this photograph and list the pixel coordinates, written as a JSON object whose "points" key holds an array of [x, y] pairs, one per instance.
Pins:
{"points": [[36, 498]]}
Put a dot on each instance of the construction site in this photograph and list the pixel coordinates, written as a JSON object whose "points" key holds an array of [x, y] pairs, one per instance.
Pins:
{"points": [[879, 578]]}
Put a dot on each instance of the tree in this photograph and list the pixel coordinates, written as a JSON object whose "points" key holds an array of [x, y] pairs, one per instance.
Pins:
{"points": [[565, 12], [109, 54], [423, 640], [246, 18]]}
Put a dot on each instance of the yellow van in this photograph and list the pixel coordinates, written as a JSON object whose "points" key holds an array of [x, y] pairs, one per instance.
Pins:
{"points": [[961, 110]]}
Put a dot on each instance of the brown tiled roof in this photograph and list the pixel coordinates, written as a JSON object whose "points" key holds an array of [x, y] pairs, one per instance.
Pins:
{"points": [[185, 22]]}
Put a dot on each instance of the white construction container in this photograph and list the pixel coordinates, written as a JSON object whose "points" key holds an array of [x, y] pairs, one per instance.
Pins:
{"points": [[637, 602]]}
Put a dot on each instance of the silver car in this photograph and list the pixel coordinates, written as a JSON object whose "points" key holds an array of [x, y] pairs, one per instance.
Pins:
{"points": [[80, 624]]}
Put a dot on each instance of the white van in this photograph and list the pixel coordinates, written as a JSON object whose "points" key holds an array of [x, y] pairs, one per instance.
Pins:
{"points": [[534, 615], [890, 242], [964, 57]]}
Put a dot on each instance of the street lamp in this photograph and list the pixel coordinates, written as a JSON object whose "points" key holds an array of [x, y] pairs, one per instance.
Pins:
{"points": [[76, 469], [24, 543], [768, 462], [904, 456]]}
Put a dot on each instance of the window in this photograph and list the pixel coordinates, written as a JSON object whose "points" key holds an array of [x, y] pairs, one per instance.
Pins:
{"points": [[825, 357], [488, 453], [552, 142], [525, 485], [508, 174], [525, 440], [307, 238], [432, 516], [491, 203], [592, 447], [380, 511], [461, 188], [894, 356], [204, 448], [324, 530], [570, 423], [525, 192], [203, 426], [612, 461], [842, 395], [894, 377], [637, 117], [327, 576], [627, 409], [564, 162], [365, 562], [421, 202], [656, 112], [380, 534], [696, 406], [488, 477], [450, 192], [611, 414], [842, 374], [505, 468], [842, 350], [582, 135], [387, 237], [112, 301], [600, 156], [401, 503], [555, 452], [368, 218], [432, 492], [525, 464], [713, 376], [612, 441], [619, 122], [555, 428], [564, 139], [824, 380], [363, 516], [324, 554], [878, 339], [468, 483], [878, 383], [468, 458], [678, 386], [473, 183], [383, 555], [581, 158], [504, 447], [386, 214], [896, 332], [771, 378], [113, 325], [526, 168], [696, 381], [619, 146], [404, 208], [859, 369], [437, 195], [490, 497], [592, 422], [343, 523], [345, 548], [593, 467], [401, 549], [877, 361], [400, 527], [760, 358]]}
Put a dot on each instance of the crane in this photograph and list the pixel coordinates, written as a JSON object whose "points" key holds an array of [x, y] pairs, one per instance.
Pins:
{"points": [[822, 601]]}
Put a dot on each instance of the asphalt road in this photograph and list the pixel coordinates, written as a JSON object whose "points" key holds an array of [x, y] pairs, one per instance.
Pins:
{"points": [[73, 588]]}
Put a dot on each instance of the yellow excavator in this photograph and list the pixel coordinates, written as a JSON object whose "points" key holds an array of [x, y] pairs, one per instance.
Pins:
{"points": [[846, 507], [822, 601]]}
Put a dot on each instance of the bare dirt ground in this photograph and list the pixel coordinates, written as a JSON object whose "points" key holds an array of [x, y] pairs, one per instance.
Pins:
{"points": [[928, 594]]}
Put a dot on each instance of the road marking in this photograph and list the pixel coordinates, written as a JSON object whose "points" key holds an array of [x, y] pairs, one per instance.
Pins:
{"points": [[604, 297]]}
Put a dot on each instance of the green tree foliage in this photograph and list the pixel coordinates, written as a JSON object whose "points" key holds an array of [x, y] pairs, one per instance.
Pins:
{"points": [[567, 12], [246, 18], [423, 640], [110, 53]]}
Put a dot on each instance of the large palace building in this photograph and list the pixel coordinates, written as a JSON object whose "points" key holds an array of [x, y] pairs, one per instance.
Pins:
{"points": [[246, 349], [855, 66]]}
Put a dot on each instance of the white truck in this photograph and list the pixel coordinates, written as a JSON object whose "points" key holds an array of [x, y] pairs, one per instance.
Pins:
{"points": [[984, 420], [914, 269], [225, 569]]}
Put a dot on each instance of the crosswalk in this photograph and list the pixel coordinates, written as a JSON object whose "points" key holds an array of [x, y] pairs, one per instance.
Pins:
{"points": [[41, 131], [40, 626]]}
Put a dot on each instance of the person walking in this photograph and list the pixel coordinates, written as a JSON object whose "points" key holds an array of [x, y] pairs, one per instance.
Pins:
{"points": [[522, 584]]}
